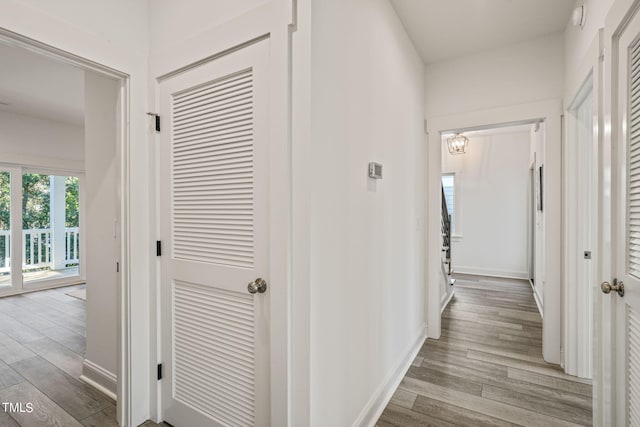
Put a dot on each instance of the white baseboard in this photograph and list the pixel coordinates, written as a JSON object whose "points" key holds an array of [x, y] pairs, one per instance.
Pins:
{"points": [[537, 299], [380, 399], [99, 378], [481, 271], [446, 299]]}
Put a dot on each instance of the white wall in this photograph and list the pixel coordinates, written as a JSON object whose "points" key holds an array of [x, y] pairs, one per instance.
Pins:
{"points": [[491, 191], [517, 74], [35, 142], [578, 42], [366, 236], [101, 210], [114, 34], [172, 22]]}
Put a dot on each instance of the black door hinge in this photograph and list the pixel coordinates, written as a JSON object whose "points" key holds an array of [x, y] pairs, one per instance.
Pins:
{"points": [[157, 119], [158, 247], [159, 371]]}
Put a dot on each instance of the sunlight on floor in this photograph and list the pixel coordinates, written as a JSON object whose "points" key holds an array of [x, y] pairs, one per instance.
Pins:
{"points": [[42, 275]]}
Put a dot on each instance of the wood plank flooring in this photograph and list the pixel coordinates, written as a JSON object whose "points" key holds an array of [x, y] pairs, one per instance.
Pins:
{"points": [[42, 346], [487, 368]]}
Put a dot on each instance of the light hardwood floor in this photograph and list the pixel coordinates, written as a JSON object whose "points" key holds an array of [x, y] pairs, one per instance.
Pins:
{"points": [[487, 367], [486, 370], [42, 346]]}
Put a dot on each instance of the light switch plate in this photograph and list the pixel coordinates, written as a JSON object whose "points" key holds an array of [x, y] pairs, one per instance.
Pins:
{"points": [[375, 170]]}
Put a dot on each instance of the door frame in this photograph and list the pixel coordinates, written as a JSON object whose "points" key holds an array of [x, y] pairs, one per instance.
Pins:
{"points": [[531, 224], [15, 229], [273, 21], [124, 396], [589, 72], [550, 111]]}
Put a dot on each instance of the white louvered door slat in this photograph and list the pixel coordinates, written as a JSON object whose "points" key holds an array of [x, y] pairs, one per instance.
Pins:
{"points": [[633, 166], [626, 212], [214, 205]]}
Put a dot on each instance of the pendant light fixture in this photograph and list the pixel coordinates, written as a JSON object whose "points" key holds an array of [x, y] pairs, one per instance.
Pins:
{"points": [[457, 144]]}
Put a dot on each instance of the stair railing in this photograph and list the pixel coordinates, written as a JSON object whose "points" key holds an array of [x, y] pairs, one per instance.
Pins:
{"points": [[446, 231]]}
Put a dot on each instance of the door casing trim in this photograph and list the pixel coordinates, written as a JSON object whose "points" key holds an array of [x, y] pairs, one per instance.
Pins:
{"points": [[124, 315]]}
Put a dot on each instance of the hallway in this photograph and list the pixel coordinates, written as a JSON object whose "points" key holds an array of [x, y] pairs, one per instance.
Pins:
{"points": [[487, 367]]}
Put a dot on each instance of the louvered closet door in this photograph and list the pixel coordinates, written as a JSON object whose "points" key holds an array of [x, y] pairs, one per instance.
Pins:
{"points": [[626, 213], [214, 206]]}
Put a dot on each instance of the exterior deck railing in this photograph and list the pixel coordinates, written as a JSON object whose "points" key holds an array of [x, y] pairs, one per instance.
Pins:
{"points": [[36, 248]]}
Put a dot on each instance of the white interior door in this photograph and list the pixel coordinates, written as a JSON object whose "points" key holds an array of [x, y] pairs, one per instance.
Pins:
{"points": [[580, 232], [585, 190], [626, 231], [214, 223]]}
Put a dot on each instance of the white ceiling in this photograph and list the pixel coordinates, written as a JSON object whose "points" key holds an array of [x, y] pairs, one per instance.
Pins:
{"points": [[445, 29], [498, 130], [441, 29], [40, 87]]}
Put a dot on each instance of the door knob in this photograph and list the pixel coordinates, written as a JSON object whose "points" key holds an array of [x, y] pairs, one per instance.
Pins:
{"points": [[617, 286], [257, 286]]}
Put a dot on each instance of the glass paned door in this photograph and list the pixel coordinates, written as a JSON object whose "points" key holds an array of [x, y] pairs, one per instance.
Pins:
{"points": [[50, 221], [5, 229]]}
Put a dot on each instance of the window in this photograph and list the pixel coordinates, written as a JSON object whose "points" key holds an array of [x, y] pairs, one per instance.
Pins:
{"points": [[448, 185], [46, 247]]}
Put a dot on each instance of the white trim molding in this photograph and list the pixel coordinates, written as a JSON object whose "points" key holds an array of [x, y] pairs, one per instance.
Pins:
{"points": [[446, 299], [491, 272], [380, 399], [99, 378], [537, 299]]}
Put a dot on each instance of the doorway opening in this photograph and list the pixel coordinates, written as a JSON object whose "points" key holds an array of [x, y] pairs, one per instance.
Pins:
{"points": [[61, 184], [486, 195], [438, 293], [493, 193], [490, 346], [580, 231]]}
